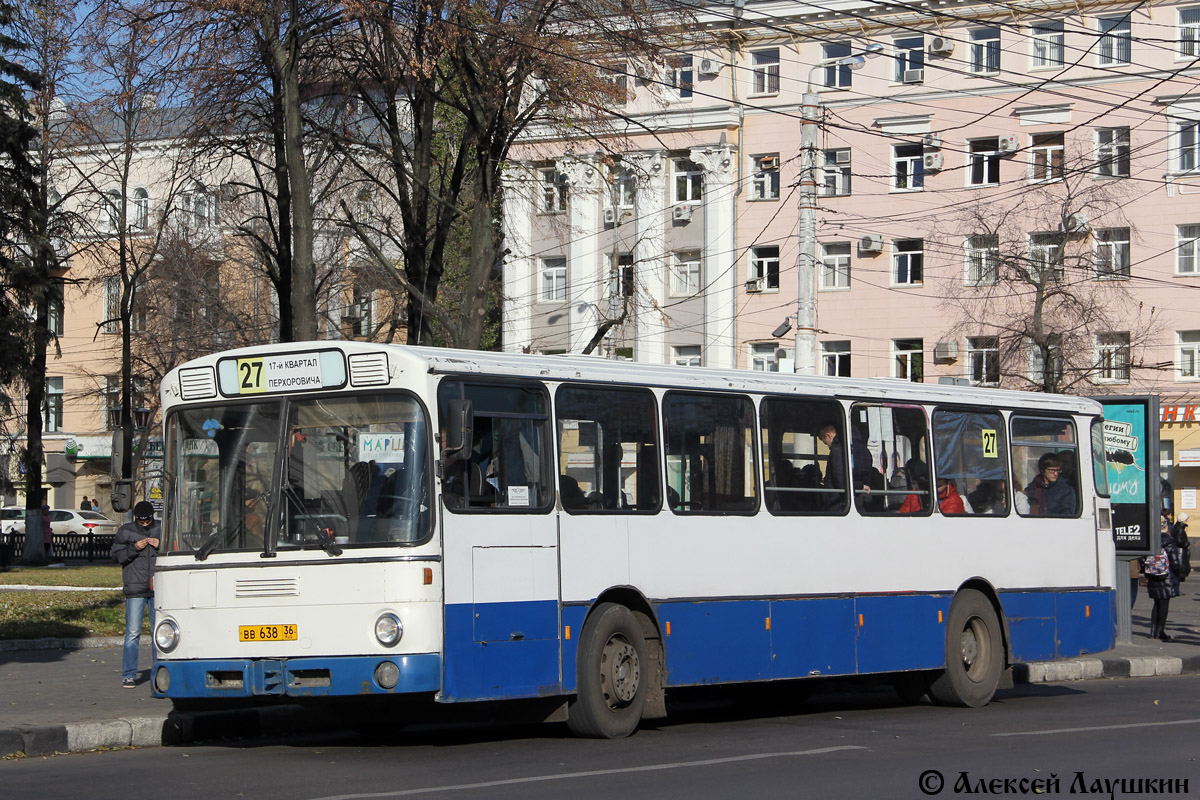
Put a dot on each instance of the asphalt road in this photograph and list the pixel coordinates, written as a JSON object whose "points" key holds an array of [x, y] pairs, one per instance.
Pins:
{"points": [[841, 744]]}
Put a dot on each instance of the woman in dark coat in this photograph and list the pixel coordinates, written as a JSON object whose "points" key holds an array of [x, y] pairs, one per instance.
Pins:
{"points": [[1161, 588]]}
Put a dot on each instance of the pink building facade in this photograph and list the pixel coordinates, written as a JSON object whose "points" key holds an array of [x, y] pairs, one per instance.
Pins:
{"points": [[1004, 195]]}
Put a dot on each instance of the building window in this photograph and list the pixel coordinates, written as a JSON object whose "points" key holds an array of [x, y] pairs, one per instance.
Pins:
{"points": [[908, 168], [764, 66], [908, 262], [53, 418], [1112, 152], [1189, 32], [687, 355], [1187, 260], [620, 275], [1046, 157], [836, 172], [1189, 146], [623, 188], [1187, 362], [1048, 39], [681, 77], [837, 76], [764, 267], [762, 357], [112, 210], [199, 207], [141, 208], [910, 59], [835, 359], [357, 317], [983, 260], [112, 304], [835, 265], [554, 280], [1112, 253], [616, 76], [1112, 357], [984, 158], [55, 307], [1115, 40], [908, 359], [554, 191], [1037, 362], [985, 51], [983, 360], [1045, 257], [689, 181], [765, 180], [685, 274]]}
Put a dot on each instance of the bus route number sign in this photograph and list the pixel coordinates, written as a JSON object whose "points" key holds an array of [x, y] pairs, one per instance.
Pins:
{"points": [[991, 443], [267, 633], [278, 373]]}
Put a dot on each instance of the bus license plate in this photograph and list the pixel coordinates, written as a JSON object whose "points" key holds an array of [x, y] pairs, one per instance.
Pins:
{"points": [[267, 633]]}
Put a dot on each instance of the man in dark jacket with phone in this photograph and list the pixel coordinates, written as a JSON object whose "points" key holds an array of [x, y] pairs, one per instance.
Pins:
{"points": [[135, 547]]}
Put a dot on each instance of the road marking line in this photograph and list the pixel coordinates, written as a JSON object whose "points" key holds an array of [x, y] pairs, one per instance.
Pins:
{"points": [[1102, 728], [588, 774]]}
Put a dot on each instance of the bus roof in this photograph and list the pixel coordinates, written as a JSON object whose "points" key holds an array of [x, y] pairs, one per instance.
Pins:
{"points": [[438, 360]]}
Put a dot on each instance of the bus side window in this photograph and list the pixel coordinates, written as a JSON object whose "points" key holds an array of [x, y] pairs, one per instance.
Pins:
{"points": [[969, 447], [794, 454], [889, 460], [710, 452], [608, 446], [1045, 458]]}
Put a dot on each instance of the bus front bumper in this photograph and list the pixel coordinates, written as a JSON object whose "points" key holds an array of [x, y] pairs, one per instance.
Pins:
{"points": [[341, 676]]}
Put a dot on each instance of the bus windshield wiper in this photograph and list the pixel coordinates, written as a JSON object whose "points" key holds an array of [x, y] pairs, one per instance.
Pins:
{"points": [[324, 535], [216, 537]]}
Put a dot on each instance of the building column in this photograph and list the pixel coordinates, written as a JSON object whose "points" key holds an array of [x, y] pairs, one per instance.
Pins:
{"points": [[719, 259], [520, 267], [584, 279], [650, 259]]}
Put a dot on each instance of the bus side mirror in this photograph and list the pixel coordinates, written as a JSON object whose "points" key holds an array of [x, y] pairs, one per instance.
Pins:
{"points": [[458, 428]]}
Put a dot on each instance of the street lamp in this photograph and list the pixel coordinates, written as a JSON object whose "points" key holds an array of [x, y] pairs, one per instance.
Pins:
{"points": [[123, 467], [806, 268]]}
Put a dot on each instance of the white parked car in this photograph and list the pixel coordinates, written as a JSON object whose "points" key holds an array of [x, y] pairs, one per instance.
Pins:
{"points": [[80, 523]]}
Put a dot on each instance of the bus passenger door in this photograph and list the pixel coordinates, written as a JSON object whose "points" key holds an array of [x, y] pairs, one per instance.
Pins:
{"points": [[500, 547]]}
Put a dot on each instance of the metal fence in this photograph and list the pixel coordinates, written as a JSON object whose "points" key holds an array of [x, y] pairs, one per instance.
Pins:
{"points": [[91, 547]]}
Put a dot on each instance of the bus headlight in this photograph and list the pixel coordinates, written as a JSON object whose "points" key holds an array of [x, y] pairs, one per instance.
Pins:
{"points": [[388, 629], [166, 635]]}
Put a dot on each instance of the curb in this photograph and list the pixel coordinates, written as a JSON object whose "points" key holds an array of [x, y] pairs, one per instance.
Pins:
{"points": [[54, 643], [1082, 669]]}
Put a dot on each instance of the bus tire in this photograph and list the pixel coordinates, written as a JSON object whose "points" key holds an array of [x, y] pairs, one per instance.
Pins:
{"points": [[974, 653], [612, 675]]}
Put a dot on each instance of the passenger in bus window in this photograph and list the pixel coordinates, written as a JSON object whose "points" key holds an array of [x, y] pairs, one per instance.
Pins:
{"points": [[989, 498], [1048, 494], [949, 501]]}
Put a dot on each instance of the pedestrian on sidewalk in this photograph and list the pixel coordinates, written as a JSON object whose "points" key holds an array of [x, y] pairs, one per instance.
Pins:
{"points": [[1162, 587], [135, 547], [85, 504]]}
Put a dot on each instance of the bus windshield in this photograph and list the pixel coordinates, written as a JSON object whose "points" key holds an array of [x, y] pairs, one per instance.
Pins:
{"points": [[353, 471]]}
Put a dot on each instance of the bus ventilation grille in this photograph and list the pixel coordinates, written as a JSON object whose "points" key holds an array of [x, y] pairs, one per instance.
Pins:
{"points": [[267, 587], [369, 369], [197, 383]]}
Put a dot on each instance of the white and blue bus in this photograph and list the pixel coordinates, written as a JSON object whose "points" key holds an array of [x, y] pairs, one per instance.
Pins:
{"points": [[353, 520]]}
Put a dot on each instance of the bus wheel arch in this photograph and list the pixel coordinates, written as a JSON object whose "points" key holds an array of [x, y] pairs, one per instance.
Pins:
{"points": [[619, 666], [975, 650]]}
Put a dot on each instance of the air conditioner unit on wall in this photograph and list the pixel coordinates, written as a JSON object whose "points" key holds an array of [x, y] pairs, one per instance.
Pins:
{"points": [[931, 141], [933, 161], [1076, 223], [610, 216], [755, 285], [941, 46], [710, 66], [681, 213], [770, 162], [871, 244], [914, 75], [1007, 144], [945, 351]]}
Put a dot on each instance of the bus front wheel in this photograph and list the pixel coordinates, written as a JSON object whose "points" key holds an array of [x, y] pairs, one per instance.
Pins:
{"points": [[974, 653], [612, 675]]}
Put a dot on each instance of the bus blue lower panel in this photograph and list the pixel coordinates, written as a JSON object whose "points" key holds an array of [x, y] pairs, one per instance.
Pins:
{"points": [[901, 632], [523, 664], [1043, 626], [298, 677]]}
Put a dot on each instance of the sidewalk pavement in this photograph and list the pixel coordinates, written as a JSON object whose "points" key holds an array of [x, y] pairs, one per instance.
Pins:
{"points": [[66, 695]]}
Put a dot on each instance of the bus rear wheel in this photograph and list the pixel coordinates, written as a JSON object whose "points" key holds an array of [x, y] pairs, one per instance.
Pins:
{"points": [[612, 676], [974, 653]]}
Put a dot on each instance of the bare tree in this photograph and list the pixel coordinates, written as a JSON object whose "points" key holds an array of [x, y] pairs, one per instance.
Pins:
{"points": [[1045, 288]]}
